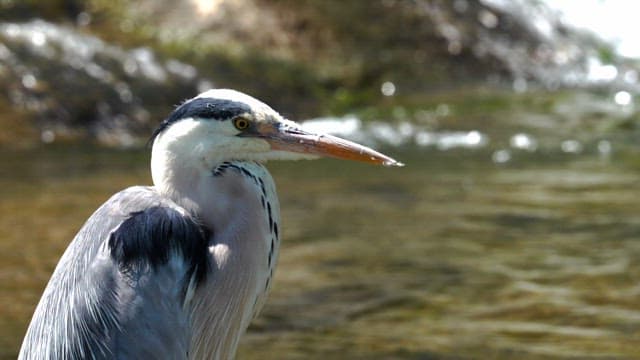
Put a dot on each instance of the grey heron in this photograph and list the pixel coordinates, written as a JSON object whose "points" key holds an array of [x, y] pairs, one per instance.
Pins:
{"points": [[179, 269]]}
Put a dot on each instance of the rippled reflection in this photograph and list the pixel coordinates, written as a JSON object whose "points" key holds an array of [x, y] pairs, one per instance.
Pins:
{"points": [[450, 255]]}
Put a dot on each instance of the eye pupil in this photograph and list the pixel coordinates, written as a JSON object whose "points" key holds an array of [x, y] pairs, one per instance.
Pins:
{"points": [[241, 123]]}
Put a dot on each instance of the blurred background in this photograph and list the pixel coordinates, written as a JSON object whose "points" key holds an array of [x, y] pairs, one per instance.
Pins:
{"points": [[512, 232]]}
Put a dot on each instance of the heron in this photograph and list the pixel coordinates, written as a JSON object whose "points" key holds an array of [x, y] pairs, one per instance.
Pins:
{"points": [[178, 270]]}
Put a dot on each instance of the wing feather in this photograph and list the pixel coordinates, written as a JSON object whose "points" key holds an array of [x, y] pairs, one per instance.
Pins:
{"points": [[118, 290]]}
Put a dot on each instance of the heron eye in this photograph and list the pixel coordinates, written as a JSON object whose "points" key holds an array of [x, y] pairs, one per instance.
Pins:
{"points": [[241, 123]]}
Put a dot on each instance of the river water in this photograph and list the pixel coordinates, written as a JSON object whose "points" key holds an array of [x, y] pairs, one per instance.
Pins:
{"points": [[452, 256]]}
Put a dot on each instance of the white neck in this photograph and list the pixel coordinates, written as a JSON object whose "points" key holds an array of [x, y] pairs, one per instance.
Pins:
{"points": [[180, 157], [241, 251]]}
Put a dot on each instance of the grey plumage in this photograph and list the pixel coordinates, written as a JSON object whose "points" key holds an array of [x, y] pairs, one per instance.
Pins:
{"points": [[115, 298]]}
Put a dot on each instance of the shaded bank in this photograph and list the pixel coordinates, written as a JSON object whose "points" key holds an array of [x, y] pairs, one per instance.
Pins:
{"points": [[111, 70]]}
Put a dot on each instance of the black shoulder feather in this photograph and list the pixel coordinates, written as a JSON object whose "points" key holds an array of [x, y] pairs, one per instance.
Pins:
{"points": [[149, 237]]}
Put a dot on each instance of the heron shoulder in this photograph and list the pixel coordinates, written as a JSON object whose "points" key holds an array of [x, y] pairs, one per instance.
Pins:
{"points": [[149, 237]]}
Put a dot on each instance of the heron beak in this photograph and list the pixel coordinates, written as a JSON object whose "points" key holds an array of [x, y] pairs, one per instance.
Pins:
{"points": [[293, 139]]}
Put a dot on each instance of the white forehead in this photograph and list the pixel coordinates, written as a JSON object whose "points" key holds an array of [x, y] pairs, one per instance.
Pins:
{"points": [[233, 95], [261, 111]]}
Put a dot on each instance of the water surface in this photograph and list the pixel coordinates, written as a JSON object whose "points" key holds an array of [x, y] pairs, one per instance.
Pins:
{"points": [[451, 256]]}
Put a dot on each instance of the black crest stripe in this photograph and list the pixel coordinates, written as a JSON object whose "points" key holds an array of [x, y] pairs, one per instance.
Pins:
{"points": [[204, 108]]}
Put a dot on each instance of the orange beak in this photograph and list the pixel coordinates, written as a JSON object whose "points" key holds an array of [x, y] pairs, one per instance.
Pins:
{"points": [[293, 139]]}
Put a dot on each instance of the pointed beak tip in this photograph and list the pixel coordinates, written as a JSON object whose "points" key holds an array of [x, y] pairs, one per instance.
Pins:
{"points": [[393, 163]]}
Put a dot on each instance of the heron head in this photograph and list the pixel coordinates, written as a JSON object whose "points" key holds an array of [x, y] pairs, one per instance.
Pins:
{"points": [[222, 125]]}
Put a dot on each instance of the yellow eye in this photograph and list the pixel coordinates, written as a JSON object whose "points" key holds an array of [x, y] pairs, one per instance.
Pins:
{"points": [[241, 123]]}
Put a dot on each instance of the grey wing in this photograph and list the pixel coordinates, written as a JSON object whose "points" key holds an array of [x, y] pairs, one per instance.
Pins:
{"points": [[120, 287]]}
